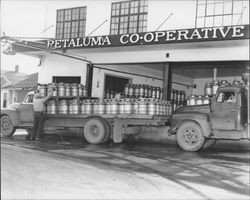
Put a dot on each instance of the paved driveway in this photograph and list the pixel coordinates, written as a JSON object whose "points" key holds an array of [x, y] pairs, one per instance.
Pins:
{"points": [[73, 169]]}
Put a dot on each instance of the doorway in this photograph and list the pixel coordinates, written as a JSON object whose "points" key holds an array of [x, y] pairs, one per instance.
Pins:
{"points": [[114, 85]]}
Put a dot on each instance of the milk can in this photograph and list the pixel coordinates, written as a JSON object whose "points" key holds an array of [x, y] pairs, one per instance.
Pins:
{"points": [[128, 106], [80, 92], [150, 90], [235, 82], [101, 107], [74, 90], [165, 108], [63, 107], [199, 100], [215, 87], [126, 90], [154, 92], [108, 106], [174, 106], [114, 107], [157, 107], [42, 89], [188, 101], [61, 90], [169, 108], [135, 106], [95, 107], [172, 95], [82, 106], [158, 93], [73, 107], [161, 107], [206, 100], [55, 91], [223, 83], [84, 91], [192, 101], [141, 91], [161, 93], [145, 91], [178, 97], [142, 107], [121, 107], [151, 107], [183, 97], [208, 89], [130, 91], [51, 107], [67, 90], [88, 107], [136, 92]]}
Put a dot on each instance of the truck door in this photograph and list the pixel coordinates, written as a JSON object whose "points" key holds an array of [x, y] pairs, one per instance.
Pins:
{"points": [[26, 110], [224, 115]]}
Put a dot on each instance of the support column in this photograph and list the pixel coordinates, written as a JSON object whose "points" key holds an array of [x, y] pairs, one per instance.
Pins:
{"points": [[167, 81], [89, 79]]}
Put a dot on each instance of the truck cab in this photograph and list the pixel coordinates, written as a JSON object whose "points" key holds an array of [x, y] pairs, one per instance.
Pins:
{"points": [[18, 115], [226, 117]]}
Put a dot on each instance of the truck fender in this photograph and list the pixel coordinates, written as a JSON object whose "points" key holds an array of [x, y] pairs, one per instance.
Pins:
{"points": [[13, 114], [203, 123]]}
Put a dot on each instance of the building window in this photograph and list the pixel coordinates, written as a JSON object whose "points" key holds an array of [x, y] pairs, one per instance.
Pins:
{"points": [[71, 23], [129, 17], [214, 13]]}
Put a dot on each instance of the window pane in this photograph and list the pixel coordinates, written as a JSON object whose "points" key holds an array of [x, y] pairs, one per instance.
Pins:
{"points": [[218, 21], [70, 24], [228, 8], [210, 9], [209, 22], [127, 16], [237, 7], [218, 9], [201, 10], [227, 20]]}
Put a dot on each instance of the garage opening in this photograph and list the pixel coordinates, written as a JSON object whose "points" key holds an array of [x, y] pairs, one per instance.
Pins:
{"points": [[114, 85]]}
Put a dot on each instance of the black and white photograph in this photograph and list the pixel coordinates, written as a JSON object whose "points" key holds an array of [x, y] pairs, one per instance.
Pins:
{"points": [[125, 100]]}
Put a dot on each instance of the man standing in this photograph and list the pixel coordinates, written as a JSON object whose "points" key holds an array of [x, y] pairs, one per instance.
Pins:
{"points": [[39, 118]]}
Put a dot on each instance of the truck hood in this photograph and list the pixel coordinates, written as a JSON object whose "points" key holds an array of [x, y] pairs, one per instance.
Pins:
{"points": [[15, 106], [197, 108]]}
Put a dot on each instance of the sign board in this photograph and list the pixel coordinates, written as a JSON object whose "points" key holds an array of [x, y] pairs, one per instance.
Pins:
{"points": [[154, 38]]}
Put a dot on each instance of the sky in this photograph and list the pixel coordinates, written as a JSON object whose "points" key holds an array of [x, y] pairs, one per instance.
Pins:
{"points": [[29, 18]]}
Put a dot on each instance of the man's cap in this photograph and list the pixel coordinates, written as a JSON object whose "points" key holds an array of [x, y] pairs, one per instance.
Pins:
{"points": [[38, 95]]}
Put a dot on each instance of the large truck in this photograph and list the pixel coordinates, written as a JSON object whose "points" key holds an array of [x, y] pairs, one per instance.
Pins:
{"points": [[195, 127]]}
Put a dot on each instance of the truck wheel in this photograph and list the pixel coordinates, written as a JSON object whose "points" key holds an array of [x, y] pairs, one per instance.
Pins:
{"points": [[107, 131], [7, 129], [190, 136], [94, 131], [209, 143]]}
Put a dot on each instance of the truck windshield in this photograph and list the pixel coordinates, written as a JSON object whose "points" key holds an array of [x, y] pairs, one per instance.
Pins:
{"points": [[226, 97], [29, 99]]}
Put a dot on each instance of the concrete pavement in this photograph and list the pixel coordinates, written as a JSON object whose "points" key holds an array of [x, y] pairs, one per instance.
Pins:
{"points": [[77, 170]]}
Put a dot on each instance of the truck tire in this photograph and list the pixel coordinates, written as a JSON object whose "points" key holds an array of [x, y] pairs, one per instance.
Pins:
{"points": [[107, 131], [95, 131], [7, 129], [209, 143], [190, 137]]}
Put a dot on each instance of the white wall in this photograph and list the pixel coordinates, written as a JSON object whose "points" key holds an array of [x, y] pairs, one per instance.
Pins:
{"points": [[55, 65], [99, 74]]}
